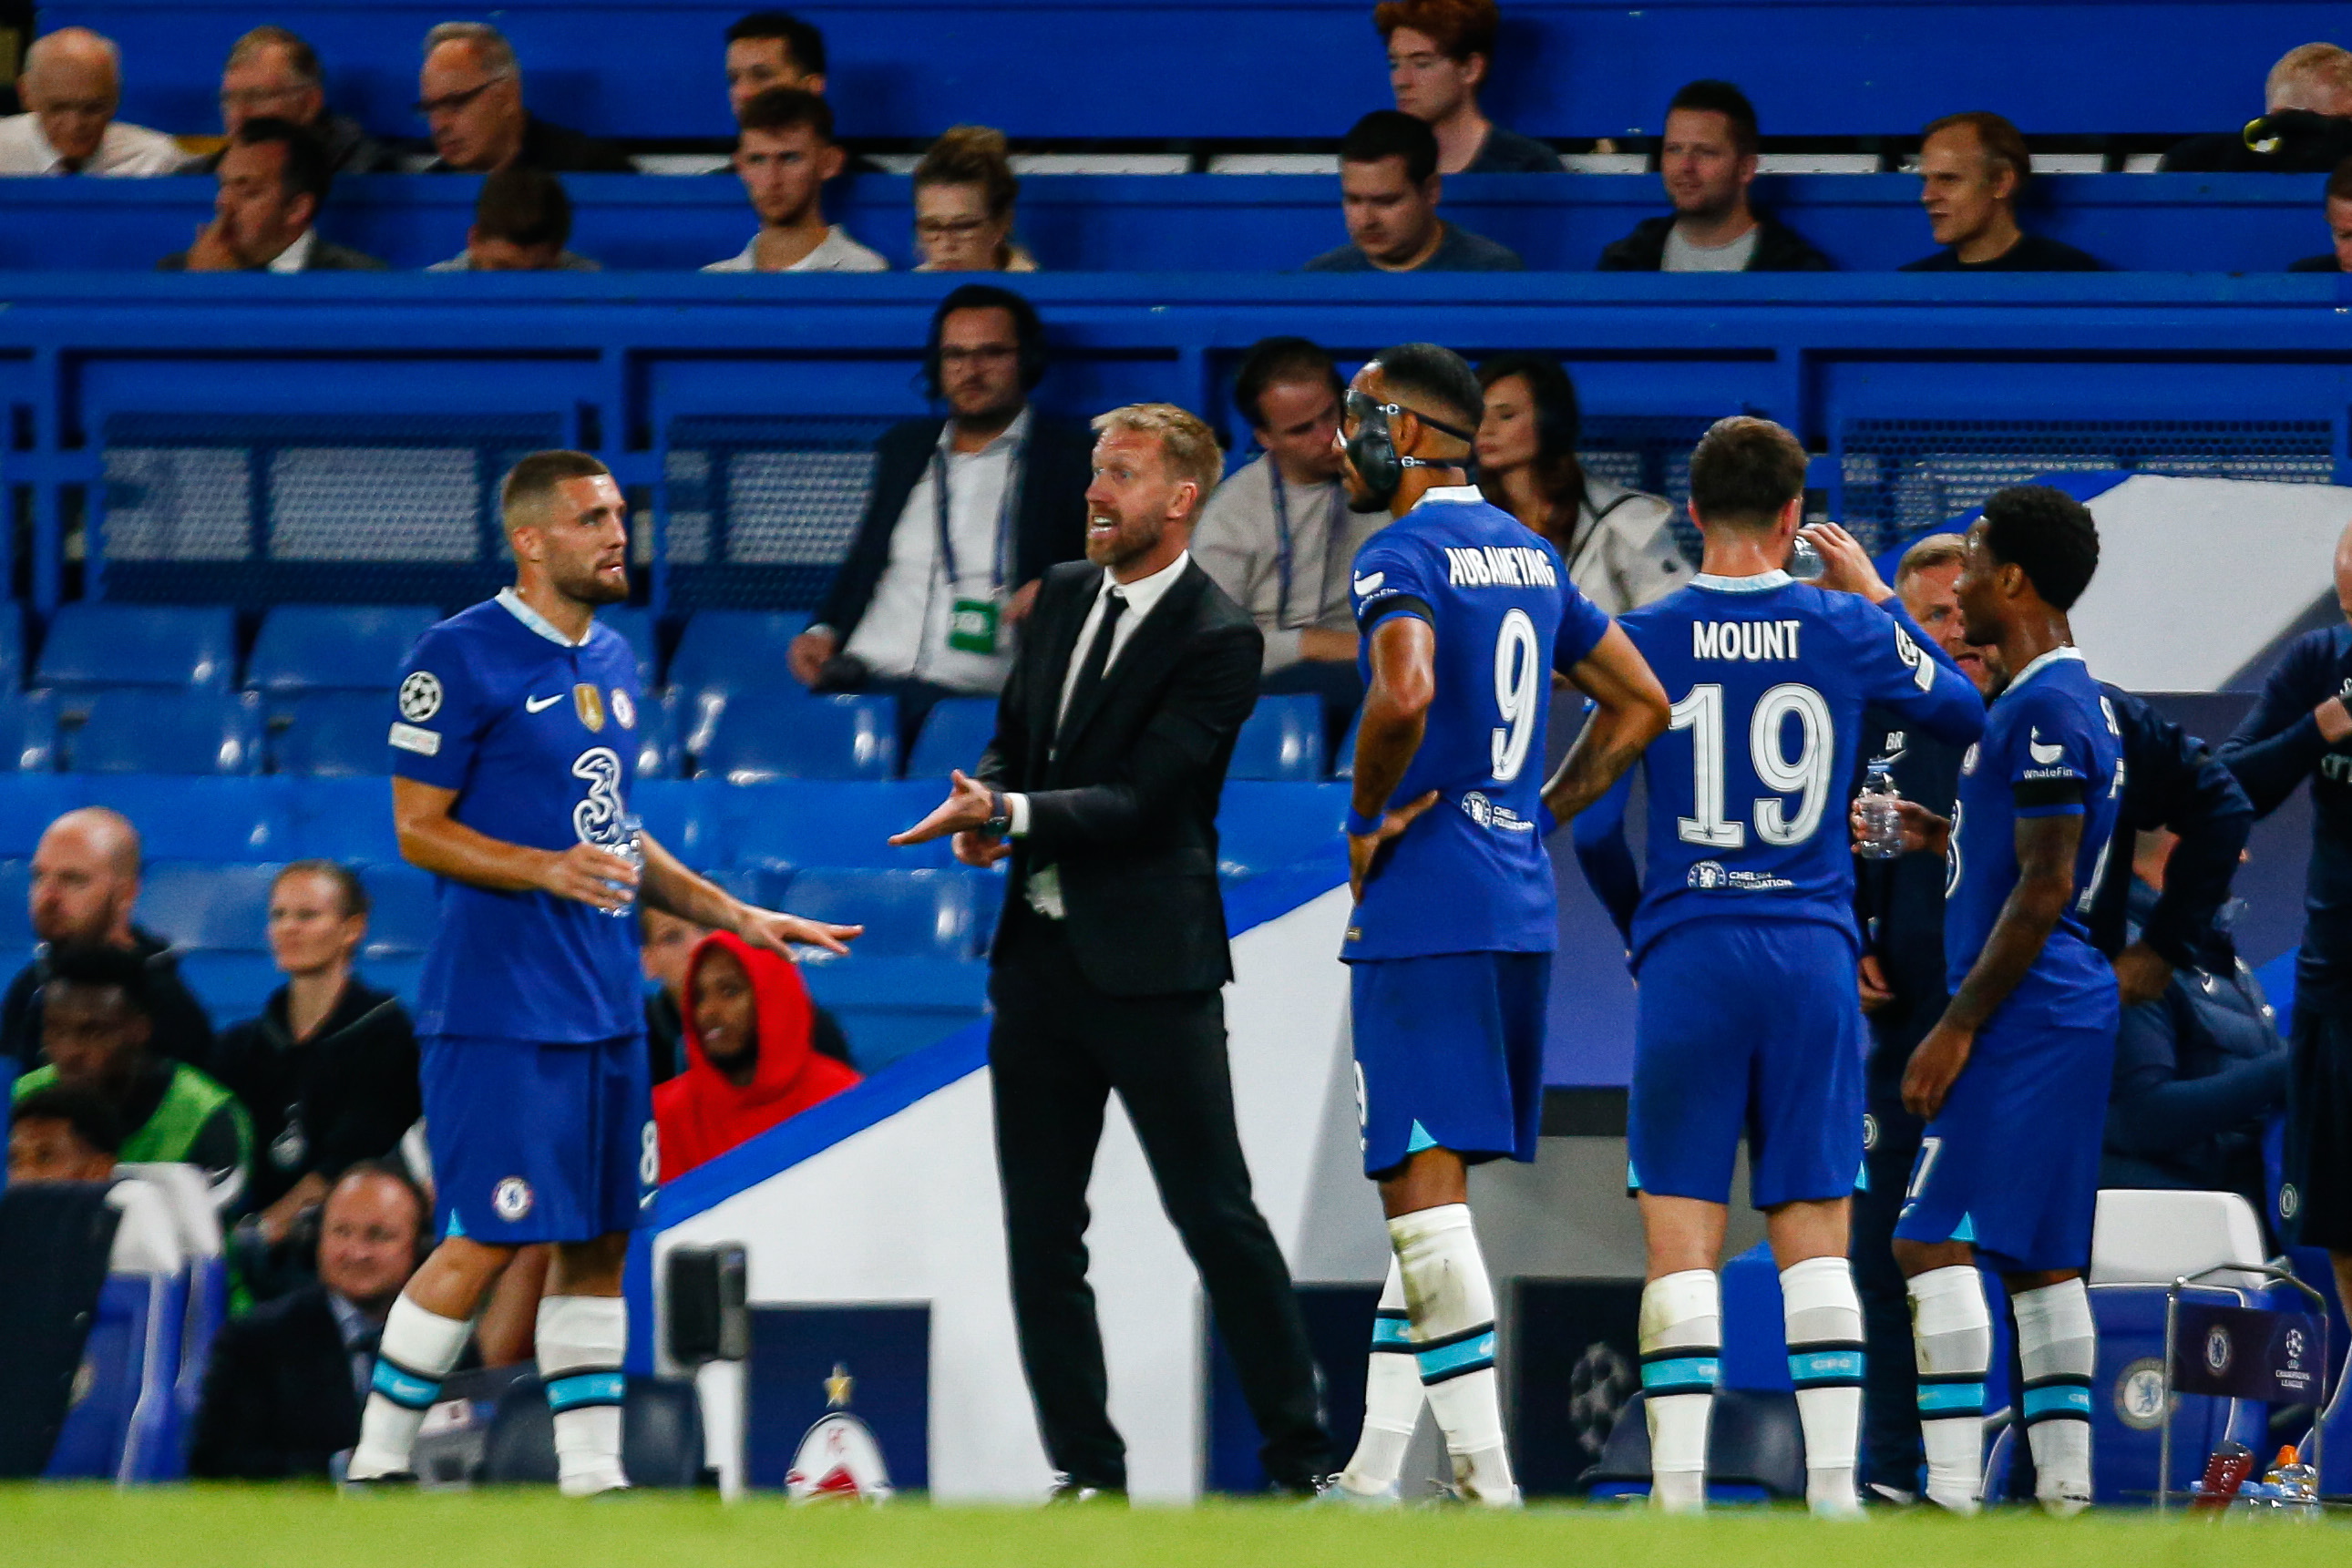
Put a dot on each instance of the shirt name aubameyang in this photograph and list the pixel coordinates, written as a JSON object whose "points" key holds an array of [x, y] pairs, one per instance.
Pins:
{"points": [[1499, 566]]}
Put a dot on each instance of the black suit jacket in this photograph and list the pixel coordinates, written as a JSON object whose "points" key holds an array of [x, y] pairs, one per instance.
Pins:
{"points": [[1127, 805], [1049, 522], [325, 256], [279, 1399]]}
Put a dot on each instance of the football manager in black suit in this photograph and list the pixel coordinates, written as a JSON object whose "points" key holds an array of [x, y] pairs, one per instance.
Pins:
{"points": [[1112, 738]]}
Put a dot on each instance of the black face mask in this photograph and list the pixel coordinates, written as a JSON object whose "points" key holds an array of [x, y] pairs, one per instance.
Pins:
{"points": [[1373, 451]]}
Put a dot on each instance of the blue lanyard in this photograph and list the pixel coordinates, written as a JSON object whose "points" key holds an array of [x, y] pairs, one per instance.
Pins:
{"points": [[1282, 547], [1004, 516]]}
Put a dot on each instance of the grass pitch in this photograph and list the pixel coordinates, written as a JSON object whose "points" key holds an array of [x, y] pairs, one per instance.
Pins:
{"points": [[303, 1527]]}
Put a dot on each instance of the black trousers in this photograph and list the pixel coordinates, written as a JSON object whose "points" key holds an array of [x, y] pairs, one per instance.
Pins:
{"points": [[1058, 1049], [1891, 1451]]}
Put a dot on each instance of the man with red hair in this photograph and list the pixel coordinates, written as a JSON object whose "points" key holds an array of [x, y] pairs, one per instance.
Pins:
{"points": [[1439, 54]]}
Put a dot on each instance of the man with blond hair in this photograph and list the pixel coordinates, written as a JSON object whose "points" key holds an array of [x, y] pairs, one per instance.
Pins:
{"points": [[71, 86], [1101, 784], [2306, 126]]}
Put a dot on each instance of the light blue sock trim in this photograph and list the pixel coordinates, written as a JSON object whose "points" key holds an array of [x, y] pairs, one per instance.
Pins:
{"points": [[2059, 1399], [584, 1388], [1391, 1333], [1681, 1374], [404, 1389], [1951, 1398], [1819, 1367], [1453, 1360]]}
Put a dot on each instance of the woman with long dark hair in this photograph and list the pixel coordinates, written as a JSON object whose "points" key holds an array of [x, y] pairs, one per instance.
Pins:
{"points": [[1619, 544]]}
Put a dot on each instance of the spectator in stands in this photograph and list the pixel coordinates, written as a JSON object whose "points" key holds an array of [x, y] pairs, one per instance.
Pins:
{"points": [[1972, 168], [1707, 158], [523, 220], [63, 1133], [96, 1025], [750, 1058], [1279, 537], [1619, 544], [772, 48], [1388, 188], [471, 94], [328, 1072], [274, 178], [785, 154], [2338, 207], [85, 884], [2200, 1071], [665, 943], [964, 191], [1440, 52], [70, 87], [2305, 127], [283, 1393], [966, 514], [272, 73]]}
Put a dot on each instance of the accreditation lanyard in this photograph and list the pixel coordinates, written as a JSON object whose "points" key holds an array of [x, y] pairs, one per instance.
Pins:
{"points": [[1283, 548], [1003, 519]]}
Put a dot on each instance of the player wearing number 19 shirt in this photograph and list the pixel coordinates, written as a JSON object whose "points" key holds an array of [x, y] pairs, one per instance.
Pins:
{"points": [[1744, 945]]}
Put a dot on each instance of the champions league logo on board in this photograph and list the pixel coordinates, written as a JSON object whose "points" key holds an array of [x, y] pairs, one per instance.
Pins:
{"points": [[838, 1459]]}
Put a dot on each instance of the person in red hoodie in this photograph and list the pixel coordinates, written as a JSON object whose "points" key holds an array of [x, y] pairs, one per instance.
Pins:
{"points": [[749, 1063]]}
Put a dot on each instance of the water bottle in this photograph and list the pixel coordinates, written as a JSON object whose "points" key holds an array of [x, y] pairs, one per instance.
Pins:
{"points": [[1805, 562], [629, 844], [1882, 815]]}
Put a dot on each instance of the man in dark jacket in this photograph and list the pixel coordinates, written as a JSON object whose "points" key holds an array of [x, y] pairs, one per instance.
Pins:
{"points": [[282, 1396], [1707, 158], [471, 94], [966, 514], [274, 176]]}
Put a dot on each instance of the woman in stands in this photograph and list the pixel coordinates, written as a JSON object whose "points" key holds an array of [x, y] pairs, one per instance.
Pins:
{"points": [[1619, 544], [328, 1072], [964, 191]]}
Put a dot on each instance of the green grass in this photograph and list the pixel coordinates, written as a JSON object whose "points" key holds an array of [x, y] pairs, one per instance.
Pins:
{"points": [[96, 1527]]}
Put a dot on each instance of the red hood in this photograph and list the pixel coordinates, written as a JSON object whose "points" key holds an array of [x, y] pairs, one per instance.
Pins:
{"points": [[701, 1115]]}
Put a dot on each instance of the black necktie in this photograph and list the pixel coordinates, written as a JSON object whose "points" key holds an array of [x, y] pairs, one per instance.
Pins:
{"points": [[1090, 673]]}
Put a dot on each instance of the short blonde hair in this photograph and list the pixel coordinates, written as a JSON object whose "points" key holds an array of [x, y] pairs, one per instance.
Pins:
{"points": [[1934, 550], [1188, 447], [2316, 77]]}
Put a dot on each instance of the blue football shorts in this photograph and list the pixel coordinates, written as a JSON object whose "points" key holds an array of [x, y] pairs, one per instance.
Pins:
{"points": [[1449, 1055], [538, 1142]]}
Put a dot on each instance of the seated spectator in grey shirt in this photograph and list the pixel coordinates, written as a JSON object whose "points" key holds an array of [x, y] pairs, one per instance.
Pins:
{"points": [[1439, 54], [523, 220], [785, 154], [1279, 537], [1972, 169], [1388, 192], [1708, 158], [2339, 225], [273, 74], [71, 86], [273, 180]]}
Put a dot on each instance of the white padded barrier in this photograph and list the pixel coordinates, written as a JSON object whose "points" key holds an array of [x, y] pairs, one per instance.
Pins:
{"points": [[2151, 1237]]}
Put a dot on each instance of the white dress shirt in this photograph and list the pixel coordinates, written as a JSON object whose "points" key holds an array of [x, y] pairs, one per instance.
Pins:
{"points": [[834, 253], [903, 632], [296, 257], [123, 148]]}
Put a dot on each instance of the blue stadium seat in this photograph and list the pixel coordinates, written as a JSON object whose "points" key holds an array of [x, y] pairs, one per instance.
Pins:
{"points": [[906, 913], [331, 734], [635, 623], [771, 735], [405, 911], [658, 754], [15, 909], [795, 822], [211, 906], [890, 1007], [197, 818], [1283, 740], [11, 645], [1343, 766], [400, 975], [124, 1424], [28, 731], [955, 732], [335, 647], [233, 987], [684, 816], [723, 652], [343, 819], [130, 729], [1262, 825], [98, 645], [29, 803]]}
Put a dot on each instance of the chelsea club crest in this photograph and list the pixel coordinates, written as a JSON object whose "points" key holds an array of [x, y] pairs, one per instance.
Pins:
{"points": [[838, 1458]]}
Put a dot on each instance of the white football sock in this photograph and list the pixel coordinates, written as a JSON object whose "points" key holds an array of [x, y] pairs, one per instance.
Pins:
{"points": [[1393, 1397], [416, 1352], [1682, 1339], [2058, 1349], [1952, 1330], [1451, 1305], [1823, 1318], [581, 1341]]}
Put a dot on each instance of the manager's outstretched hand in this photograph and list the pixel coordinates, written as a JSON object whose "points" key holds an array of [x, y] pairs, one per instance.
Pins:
{"points": [[776, 932]]}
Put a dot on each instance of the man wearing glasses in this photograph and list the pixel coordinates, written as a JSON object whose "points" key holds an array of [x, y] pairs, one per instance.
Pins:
{"points": [[273, 74], [471, 94]]}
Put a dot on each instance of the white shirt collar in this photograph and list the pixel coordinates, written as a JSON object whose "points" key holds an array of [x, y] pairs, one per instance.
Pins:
{"points": [[1012, 435], [541, 623], [296, 257], [1146, 591], [1756, 585], [2064, 651], [1454, 494]]}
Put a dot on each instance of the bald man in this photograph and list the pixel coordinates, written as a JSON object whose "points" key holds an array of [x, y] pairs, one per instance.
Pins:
{"points": [[85, 883], [70, 88]]}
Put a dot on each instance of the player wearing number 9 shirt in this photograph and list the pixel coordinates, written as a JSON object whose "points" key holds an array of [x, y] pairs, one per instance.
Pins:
{"points": [[513, 753], [1743, 942]]}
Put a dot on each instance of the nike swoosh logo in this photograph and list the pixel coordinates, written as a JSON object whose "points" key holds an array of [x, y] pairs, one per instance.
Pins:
{"points": [[1366, 584], [541, 705], [2045, 755]]}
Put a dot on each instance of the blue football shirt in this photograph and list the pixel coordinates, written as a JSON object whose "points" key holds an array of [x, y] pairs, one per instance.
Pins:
{"points": [[1769, 677], [2051, 747], [538, 737], [1471, 876]]}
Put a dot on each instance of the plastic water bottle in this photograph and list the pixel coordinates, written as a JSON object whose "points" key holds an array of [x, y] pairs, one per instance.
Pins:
{"points": [[1805, 562], [2291, 1483], [630, 846], [1882, 815]]}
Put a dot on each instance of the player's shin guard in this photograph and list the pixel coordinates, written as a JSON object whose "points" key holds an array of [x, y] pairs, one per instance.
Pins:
{"points": [[1682, 1338], [1451, 1305], [1392, 1395], [2058, 1350], [416, 1352], [1951, 1330], [581, 1340], [1824, 1317]]}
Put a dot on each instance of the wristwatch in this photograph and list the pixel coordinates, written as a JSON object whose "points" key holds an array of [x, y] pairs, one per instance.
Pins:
{"points": [[1000, 816]]}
